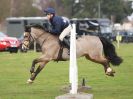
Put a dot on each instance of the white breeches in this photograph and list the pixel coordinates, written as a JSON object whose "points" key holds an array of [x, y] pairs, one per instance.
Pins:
{"points": [[65, 32]]}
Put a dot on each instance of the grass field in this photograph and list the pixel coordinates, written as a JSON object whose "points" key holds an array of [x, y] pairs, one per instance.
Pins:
{"points": [[14, 72]]}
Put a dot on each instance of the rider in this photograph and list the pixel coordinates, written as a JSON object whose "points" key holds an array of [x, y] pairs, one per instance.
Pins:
{"points": [[60, 26]]}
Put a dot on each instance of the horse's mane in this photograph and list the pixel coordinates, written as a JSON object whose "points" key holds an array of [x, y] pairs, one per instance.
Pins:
{"points": [[38, 26]]}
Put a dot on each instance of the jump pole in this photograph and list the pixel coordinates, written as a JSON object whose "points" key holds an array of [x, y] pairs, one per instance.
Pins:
{"points": [[73, 72]]}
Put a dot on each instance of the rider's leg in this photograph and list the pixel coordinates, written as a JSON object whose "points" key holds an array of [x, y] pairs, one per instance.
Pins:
{"points": [[65, 32], [62, 36]]}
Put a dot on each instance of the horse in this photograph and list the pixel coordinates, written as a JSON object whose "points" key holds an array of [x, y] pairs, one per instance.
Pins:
{"points": [[93, 48]]}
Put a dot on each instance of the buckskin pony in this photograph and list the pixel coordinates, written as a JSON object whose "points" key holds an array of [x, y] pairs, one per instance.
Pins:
{"points": [[94, 48]]}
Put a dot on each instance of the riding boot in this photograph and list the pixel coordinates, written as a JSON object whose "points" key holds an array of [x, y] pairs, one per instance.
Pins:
{"points": [[67, 43]]}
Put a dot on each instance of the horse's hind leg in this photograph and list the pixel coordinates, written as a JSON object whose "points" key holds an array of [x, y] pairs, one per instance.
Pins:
{"points": [[108, 70], [101, 60]]}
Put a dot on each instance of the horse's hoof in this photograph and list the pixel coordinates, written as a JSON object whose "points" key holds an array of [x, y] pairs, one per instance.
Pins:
{"points": [[29, 81], [110, 74]]}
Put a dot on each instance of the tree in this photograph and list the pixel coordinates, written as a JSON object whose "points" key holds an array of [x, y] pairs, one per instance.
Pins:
{"points": [[98, 8], [82, 9], [85, 8], [4, 10], [117, 8]]}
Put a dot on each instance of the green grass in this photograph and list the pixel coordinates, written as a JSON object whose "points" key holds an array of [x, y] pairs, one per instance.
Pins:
{"points": [[14, 72]]}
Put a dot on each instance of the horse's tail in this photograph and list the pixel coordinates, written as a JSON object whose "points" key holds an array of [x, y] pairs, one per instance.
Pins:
{"points": [[110, 53]]}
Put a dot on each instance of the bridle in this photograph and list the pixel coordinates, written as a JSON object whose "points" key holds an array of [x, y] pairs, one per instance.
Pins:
{"points": [[29, 38]]}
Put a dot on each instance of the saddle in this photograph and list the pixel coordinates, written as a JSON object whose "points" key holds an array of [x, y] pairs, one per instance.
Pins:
{"points": [[64, 44]]}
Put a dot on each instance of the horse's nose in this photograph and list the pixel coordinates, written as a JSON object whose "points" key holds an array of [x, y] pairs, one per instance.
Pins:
{"points": [[23, 48]]}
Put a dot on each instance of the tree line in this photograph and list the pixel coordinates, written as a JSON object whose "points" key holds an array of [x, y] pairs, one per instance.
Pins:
{"points": [[112, 9]]}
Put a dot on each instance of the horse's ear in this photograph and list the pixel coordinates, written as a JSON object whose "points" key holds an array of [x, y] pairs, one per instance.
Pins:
{"points": [[27, 28]]}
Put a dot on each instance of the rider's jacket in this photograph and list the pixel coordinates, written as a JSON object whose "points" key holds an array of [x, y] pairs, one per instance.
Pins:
{"points": [[58, 24]]}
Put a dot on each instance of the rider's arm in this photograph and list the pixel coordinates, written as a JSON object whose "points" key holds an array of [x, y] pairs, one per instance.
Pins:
{"points": [[56, 30]]}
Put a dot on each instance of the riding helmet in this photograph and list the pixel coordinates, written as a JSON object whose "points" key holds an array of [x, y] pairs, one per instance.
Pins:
{"points": [[49, 10]]}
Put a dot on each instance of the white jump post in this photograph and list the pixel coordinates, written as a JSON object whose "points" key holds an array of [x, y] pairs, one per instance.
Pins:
{"points": [[73, 71]]}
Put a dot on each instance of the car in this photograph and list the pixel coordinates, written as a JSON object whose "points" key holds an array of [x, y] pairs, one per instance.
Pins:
{"points": [[3, 45], [7, 43], [127, 36]]}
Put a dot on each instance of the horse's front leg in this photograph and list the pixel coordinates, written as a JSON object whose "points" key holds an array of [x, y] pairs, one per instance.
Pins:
{"points": [[34, 74], [34, 62]]}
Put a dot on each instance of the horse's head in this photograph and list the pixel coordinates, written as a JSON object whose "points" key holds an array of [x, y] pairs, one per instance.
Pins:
{"points": [[32, 33], [27, 38]]}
